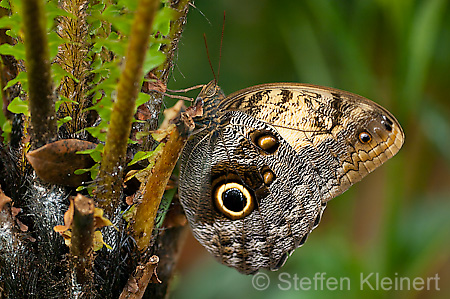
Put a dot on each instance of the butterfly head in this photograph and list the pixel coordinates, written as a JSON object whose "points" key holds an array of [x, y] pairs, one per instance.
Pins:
{"points": [[209, 98]]}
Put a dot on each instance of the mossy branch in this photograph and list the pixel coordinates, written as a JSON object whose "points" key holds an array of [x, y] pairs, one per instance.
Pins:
{"points": [[41, 98], [110, 174], [72, 57]]}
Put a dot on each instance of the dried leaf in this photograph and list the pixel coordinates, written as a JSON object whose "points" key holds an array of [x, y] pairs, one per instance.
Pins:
{"points": [[68, 218], [3, 199], [99, 220], [98, 242], [172, 113], [154, 84], [22, 226], [56, 162], [67, 235], [15, 211]]}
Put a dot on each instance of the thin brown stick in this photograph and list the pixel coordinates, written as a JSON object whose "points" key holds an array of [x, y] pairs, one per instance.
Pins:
{"points": [[137, 284]]}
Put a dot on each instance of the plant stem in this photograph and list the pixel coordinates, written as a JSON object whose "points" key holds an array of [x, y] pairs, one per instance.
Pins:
{"points": [[162, 72], [110, 175], [41, 99], [81, 247], [156, 184], [72, 57]]}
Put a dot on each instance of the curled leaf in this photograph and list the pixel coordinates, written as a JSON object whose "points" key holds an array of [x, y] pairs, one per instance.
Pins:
{"points": [[56, 162], [68, 219], [99, 220]]}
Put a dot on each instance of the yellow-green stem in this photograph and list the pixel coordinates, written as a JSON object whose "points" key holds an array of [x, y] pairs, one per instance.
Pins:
{"points": [[110, 182]]}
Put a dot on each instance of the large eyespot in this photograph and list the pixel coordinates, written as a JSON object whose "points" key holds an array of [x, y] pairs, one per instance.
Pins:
{"points": [[266, 141], [233, 200], [364, 137]]}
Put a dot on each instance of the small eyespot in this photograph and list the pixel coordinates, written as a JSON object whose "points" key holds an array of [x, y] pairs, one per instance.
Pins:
{"points": [[268, 175], [233, 200], [265, 141], [365, 137]]}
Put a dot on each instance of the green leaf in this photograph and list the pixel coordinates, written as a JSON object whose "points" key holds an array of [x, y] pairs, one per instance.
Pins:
{"points": [[164, 207], [112, 43], [18, 106], [64, 120], [63, 100], [139, 156], [18, 50], [81, 171], [98, 132], [141, 99], [59, 73], [162, 20], [22, 78], [54, 42], [95, 153], [5, 4], [13, 22], [53, 11], [153, 59], [6, 129]]}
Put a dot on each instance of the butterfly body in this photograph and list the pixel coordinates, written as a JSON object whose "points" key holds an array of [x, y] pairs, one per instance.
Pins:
{"points": [[261, 166]]}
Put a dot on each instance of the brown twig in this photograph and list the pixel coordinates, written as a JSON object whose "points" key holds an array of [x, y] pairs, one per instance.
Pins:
{"points": [[136, 285], [81, 244]]}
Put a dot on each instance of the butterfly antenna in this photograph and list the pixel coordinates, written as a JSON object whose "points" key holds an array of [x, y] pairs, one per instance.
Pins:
{"points": [[201, 12], [209, 59], [221, 43]]}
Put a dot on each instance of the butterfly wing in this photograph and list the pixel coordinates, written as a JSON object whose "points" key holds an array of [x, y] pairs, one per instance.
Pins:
{"points": [[324, 125], [255, 183], [286, 206]]}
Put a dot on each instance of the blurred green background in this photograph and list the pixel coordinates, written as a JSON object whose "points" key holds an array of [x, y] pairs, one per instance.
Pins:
{"points": [[395, 222]]}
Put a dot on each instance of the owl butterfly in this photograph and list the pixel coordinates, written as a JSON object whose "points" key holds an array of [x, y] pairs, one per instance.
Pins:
{"points": [[263, 162]]}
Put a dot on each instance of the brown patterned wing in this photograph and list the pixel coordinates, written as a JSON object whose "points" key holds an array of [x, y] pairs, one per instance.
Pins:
{"points": [[352, 134], [256, 176]]}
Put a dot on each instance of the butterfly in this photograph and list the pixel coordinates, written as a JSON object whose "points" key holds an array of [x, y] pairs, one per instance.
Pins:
{"points": [[263, 162]]}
